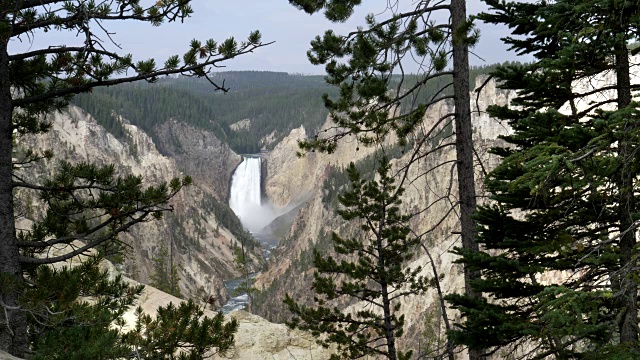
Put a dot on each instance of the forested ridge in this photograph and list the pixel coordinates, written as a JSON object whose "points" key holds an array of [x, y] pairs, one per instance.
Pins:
{"points": [[439, 86], [272, 102]]}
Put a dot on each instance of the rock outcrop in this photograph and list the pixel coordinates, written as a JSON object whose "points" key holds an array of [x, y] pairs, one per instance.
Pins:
{"points": [[5, 356], [241, 125], [291, 179], [259, 339], [256, 339], [199, 153]]}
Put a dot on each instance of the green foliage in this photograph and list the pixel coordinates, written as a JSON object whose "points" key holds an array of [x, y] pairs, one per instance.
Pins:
{"points": [[334, 10], [563, 209], [48, 79], [377, 95], [243, 264], [90, 203], [273, 102], [165, 273], [77, 313], [370, 267], [241, 259], [425, 93], [433, 338], [181, 332], [72, 311], [85, 206]]}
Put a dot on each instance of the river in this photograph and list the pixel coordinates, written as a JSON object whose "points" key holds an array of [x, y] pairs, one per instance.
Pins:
{"points": [[246, 201], [241, 301]]}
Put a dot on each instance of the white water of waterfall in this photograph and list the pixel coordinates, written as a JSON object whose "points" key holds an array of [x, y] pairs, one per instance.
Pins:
{"points": [[246, 198]]}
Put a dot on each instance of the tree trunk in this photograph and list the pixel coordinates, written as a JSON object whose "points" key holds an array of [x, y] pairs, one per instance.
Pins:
{"points": [[392, 353], [13, 321], [628, 287], [443, 307], [464, 143]]}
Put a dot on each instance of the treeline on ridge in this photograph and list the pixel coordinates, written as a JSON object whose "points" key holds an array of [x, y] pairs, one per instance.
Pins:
{"points": [[274, 103]]}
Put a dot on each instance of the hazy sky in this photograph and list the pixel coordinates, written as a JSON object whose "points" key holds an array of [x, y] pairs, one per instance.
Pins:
{"points": [[278, 21]]}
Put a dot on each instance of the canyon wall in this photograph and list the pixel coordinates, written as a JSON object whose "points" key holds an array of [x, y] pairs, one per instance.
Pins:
{"points": [[201, 244], [292, 178], [428, 186], [199, 153]]}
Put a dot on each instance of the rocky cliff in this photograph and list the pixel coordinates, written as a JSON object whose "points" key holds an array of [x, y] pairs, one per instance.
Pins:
{"points": [[5, 356], [291, 179], [200, 154], [429, 187], [256, 339], [201, 244]]}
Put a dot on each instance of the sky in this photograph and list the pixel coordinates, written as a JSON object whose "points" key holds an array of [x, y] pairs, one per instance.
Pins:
{"points": [[291, 29]]}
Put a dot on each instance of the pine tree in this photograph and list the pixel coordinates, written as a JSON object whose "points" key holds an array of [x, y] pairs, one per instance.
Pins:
{"points": [[181, 332], [84, 202], [165, 273], [369, 268], [78, 313], [64, 326], [243, 264], [377, 96], [559, 244]]}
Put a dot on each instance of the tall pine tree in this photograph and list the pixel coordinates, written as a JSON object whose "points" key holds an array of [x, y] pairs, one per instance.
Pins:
{"points": [[369, 268], [165, 273], [559, 259], [370, 66]]}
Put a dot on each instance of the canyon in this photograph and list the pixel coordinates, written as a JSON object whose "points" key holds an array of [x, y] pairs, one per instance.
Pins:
{"points": [[201, 244], [202, 234], [289, 178]]}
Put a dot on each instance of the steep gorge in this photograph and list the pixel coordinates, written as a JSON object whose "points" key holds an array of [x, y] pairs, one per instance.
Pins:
{"points": [[290, 268], [200, 154], [200, 233]]}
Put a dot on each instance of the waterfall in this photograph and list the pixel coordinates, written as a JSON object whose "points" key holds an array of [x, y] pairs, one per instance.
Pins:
{"points": [[245, 199], [245, 196]]}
